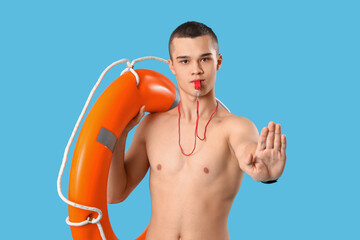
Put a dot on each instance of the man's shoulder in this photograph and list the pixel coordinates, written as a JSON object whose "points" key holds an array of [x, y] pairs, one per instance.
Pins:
{"points": [[235, 120], [154, 124], [157, 116], [240, 126], [154, 118]]}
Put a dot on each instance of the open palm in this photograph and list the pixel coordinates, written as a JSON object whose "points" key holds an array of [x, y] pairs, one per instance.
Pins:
{"points": [[268, 162]]}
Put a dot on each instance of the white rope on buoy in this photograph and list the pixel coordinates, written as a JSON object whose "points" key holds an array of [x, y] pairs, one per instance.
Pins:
{"points": [[130, 66]]}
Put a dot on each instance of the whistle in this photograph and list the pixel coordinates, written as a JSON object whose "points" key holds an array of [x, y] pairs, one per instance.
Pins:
{"points": [[197, 84]]}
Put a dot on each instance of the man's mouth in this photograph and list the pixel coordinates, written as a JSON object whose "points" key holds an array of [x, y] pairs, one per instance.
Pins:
{"points": [[197, 80]]}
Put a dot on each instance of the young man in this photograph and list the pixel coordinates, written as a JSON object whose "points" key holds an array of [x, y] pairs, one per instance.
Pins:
{"points": [[193, 187]]}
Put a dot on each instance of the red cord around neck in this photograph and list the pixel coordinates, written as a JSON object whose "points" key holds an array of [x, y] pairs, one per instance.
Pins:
{"points": [[196, 128]]}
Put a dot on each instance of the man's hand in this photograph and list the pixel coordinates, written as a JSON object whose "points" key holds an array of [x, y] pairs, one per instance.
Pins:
{"points": [[268, 162], [133, 122]]}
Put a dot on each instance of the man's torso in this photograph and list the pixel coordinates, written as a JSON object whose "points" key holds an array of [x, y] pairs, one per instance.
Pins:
{"points": [[191, 196]]}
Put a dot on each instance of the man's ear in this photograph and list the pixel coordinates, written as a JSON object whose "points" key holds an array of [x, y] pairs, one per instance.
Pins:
{"points": [[219, 61], [171, 66]]}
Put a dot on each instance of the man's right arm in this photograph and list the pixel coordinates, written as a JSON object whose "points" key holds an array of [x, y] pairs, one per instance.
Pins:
{"points": [[127, 170]]}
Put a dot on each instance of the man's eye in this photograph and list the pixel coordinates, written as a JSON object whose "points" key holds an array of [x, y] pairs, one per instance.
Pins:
{"points": [[184, 61], [204, 59]]}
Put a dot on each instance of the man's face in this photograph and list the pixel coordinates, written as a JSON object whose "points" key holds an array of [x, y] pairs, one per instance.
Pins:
{"points": [[195, 59]]}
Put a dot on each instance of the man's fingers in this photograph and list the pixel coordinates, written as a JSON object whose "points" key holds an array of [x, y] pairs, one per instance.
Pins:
{"points": [[271, 136], [283, 144], [140, 114], [133, 122], [262, 139], [137, 118], [142, 111], [277, 142]]}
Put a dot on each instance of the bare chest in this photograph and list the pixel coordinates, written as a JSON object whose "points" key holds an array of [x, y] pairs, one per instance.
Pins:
{"points": [[210, 158]]}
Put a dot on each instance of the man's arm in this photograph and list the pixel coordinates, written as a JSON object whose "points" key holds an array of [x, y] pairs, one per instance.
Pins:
{"points": [[259, 162], [243, 139], [127, 170]]}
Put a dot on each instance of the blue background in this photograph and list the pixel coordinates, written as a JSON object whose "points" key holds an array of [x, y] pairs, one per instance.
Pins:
{"points": [[292, 62]]}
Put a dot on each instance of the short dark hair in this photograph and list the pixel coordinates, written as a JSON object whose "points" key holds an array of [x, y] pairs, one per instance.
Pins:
{"points": [[193, 29]]}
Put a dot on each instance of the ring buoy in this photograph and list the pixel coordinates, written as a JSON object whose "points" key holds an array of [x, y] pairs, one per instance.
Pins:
{"points": [[111, 113]]}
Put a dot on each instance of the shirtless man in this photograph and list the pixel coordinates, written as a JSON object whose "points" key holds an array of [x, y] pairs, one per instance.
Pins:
{"points": [[192, 194]]}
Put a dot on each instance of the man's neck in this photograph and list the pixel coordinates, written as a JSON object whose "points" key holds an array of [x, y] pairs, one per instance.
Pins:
{"points": [[188, 106]]}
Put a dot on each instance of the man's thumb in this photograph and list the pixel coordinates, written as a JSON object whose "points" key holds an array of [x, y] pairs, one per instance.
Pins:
{"points": [[249, 159]]}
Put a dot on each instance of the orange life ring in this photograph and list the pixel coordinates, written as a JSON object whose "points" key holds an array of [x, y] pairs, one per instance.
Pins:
{"points": [[113, 110]]}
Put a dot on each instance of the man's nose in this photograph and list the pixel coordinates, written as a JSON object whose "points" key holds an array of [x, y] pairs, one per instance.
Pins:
{"points": [[196, 68]]}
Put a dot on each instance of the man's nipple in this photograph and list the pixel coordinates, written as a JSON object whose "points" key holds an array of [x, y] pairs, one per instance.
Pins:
{"points": [[158, 167]]}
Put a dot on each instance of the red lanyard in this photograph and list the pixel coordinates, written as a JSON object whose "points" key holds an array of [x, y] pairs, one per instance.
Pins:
{"points": [[196, 128]]}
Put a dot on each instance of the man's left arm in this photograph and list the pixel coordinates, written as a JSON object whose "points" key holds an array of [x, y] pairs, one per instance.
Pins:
{"points": [[262, 163]]}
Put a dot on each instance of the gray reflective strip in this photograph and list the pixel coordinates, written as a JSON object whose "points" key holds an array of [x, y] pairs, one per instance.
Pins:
{"points": [[107, 138], [177, 98]]}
